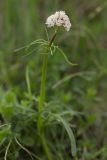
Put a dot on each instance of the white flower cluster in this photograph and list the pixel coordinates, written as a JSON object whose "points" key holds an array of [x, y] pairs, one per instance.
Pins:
{"points": [[59, 19]]}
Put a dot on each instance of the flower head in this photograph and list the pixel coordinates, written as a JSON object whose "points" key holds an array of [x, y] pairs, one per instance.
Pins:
{"points": [[59, 19]]}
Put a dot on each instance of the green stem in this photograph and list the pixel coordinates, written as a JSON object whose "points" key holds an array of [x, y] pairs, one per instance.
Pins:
{"points": [[42, 91], [45, 146], [42, 99]]}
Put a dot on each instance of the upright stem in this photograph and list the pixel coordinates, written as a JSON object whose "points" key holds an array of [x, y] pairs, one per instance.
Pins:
{"points": [[42, 99], [43, 82], [42, 91]]}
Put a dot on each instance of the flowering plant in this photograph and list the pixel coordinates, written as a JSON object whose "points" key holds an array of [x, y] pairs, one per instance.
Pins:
{"points": [[46, 116], [55, 20]]}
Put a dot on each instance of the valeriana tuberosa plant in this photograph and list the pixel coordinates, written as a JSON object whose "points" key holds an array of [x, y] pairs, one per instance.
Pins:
{"points": [[45, 115], [57, 20]]}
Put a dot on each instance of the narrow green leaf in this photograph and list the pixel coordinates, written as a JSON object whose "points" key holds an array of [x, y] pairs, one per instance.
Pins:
{"points": [[65, 57], [70, 134], [28, 81]]}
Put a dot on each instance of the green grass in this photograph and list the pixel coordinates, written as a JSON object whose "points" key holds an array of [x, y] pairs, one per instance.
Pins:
{"points": [[76, 95]]}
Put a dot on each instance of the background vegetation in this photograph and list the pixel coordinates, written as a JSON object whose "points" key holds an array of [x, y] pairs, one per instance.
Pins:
{"points": [[82, 88]]}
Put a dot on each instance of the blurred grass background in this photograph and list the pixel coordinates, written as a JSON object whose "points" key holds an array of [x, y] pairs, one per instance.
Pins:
{"points": [[83, 87]]}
